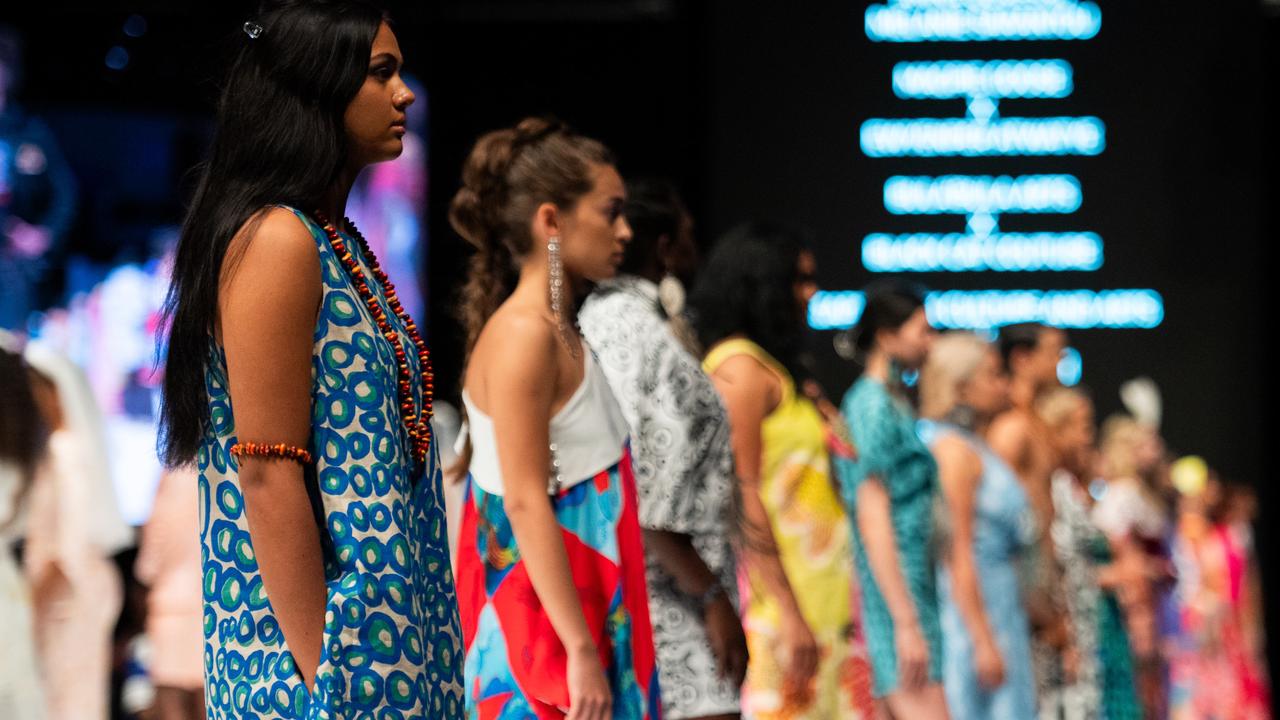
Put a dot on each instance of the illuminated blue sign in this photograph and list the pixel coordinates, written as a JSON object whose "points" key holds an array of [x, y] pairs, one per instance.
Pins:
{"points": [[967, 309], [994, 252], [950, 79], [968, 194], [977, 20], [933, 137]]}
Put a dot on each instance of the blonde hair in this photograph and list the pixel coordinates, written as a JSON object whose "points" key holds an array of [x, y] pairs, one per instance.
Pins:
{"points": [[1057, 404], [953, 360], [1121, 435]]}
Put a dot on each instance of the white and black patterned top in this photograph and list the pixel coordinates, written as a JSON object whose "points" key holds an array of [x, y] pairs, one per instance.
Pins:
{"points": [[680, 431], [685, 477]]}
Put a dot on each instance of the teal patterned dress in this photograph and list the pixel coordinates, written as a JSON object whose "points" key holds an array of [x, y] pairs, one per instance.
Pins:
{"points": [[888, 447], [392, 642]]}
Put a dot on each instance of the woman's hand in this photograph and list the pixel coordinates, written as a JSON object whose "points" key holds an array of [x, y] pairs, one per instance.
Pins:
{"points": [[913, 656], [589, 694], [728, 643], [988, 663], [799, 650]]}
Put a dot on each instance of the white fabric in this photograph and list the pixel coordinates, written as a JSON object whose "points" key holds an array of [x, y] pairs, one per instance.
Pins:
{"points": [[20, 690], [1125, 510], [106, 528], [587, 435]]}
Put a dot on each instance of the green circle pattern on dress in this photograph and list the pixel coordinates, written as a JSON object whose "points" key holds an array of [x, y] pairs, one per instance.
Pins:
{"points": [[392, 642]]}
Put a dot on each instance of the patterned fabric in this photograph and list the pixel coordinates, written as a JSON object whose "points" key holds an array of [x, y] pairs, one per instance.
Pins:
{"points": [[392, 644], [684, 476], [884, 436], [812, 535], [1104, 669], [1003, 528], [515, 665]]}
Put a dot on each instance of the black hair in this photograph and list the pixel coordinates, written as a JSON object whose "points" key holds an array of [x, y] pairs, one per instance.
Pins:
{"points": [[747, 287], [1019, 336], [22, 430], [653, 209], [280, 139], [889, 305]]}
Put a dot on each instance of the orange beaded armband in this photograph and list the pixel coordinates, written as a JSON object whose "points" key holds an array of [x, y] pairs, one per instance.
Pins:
{"points": [[279, 451]]}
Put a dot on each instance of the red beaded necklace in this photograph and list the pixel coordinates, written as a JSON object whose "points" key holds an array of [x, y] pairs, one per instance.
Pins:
{"points": [[416, 423]]}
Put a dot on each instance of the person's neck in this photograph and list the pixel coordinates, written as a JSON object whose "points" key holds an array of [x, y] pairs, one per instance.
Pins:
{"points": [[334, 202], [878, 366], [1022, 393], [532, 283]]}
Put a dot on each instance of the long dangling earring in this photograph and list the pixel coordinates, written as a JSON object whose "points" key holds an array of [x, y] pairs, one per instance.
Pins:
{"points": [[555, 284]]}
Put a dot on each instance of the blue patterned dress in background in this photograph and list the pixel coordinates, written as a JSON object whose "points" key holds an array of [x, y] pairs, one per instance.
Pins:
{"points": [[1003, 528], [884, 435], [392, 643]]}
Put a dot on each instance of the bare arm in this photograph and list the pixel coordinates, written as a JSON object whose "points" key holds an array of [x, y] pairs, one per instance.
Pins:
{"points": [[875, 524], [518, 375], [269, 375], [959, 473], [750, 392]]}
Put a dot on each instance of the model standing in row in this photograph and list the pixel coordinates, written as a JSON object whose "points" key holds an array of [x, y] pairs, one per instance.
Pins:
{"points": [[551, 564], [304, 397]]}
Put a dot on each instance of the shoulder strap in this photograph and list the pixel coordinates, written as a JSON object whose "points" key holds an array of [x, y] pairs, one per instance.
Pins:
{"points": [[733, 347]]}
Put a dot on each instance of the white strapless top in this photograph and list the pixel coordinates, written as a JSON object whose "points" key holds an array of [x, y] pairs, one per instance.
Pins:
{"points": [[587, 435]]}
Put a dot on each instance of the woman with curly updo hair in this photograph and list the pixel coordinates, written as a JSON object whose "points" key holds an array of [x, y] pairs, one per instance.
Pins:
{"points": [[550, 564]]}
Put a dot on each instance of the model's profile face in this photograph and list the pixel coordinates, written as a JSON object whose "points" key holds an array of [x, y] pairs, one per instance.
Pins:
{"points": [[375, 118], [987, 391], [910, 343], [595, 232]]}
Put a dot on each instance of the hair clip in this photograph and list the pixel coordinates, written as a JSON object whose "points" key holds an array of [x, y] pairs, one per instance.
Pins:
{"points": [[252, 29]]}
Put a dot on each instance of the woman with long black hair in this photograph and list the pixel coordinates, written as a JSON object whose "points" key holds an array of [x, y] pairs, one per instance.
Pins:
{"points": [[302, 391], [749, 308]]}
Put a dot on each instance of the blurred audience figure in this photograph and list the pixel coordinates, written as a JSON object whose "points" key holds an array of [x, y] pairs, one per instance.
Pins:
{"points": [[889, 491], [1132, 512], [987, 671], [1102, 684], [168, 564], [22, 443], [748, 309], [1216, 665], [683, 460], [74, 530], [37, 195], [1031, 353]]}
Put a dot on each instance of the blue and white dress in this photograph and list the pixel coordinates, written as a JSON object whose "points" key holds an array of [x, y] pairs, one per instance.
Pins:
{"points": [[392, 643], [1003, 527]]}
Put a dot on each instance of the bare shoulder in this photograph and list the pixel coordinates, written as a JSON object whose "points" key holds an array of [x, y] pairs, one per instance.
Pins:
{"points": [[746, 372], [951, 450], [1010, 426], [274, 243], [515, 341]]}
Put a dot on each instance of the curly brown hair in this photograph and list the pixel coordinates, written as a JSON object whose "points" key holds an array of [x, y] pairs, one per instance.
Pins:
{"points": [[509, 173]]}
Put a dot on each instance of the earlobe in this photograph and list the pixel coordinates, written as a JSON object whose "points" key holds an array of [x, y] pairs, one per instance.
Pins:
{"points": [[546, 220]]}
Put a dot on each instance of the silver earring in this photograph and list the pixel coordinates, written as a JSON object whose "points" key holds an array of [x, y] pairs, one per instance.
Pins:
{"points": [[556, 287]]}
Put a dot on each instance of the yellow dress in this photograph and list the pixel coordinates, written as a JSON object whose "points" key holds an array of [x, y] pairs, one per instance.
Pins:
{"points": [[813, 538]]}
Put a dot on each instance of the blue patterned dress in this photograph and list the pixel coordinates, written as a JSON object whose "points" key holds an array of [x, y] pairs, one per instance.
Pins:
{"points": [[1003, 528], [392, 643], [884, 435]]}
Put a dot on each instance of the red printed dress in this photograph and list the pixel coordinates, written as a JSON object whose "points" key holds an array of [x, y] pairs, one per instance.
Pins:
{"points": [[515, 663]]}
